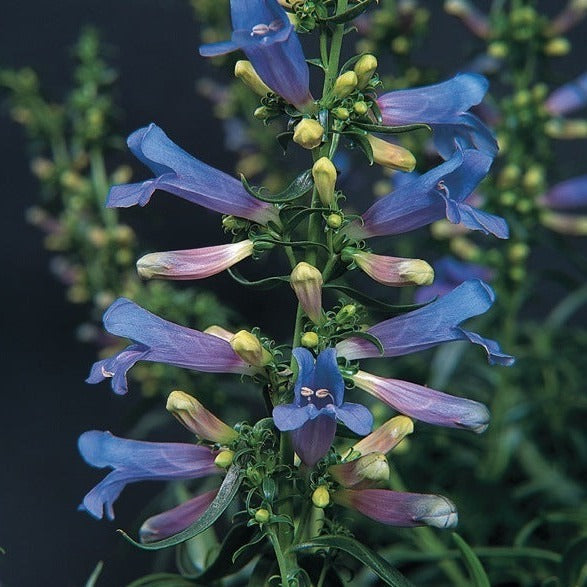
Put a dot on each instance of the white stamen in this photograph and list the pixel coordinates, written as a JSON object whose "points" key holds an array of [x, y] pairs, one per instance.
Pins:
{"points": [[322, 393], [106, 373], [260, 29], [307, 392]]}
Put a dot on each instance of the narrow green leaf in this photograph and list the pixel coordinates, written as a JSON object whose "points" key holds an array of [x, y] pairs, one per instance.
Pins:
{"points": [[372, 303], [349, 14], [360, 140], [371, 559], [263, 284], [162, 580], [477, 573], [301, 185], [382, 129], [566, 308], [226, 494], [317, 63], [284, 138], [93, 578], [573, 567]]}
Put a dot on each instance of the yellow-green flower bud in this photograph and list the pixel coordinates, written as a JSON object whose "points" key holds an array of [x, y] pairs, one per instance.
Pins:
{"points": [[345, 313], [518, 252], [249, 348], [321, 496], [361, 108], [262, 113], [262, 516], [498, 49], [310, 340], [324, 174], [365, 68], [566, 129], [400, 45], [306, 282], [334, 221], [345, 85], [557, 47], [246, 73], [341, 113], [224, 459], [308, 133], [390, 155], [533, 178]]}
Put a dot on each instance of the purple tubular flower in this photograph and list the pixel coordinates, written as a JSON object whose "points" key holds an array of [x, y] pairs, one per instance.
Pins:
{"points": [[135, 460], [448, 274], [318, 403], [425, 404], [262, 30], [158, 340], [185, 176], [568, 194], [429, 326], [193, 263], [437, 194], [445, 108], [177, 519], [568, 98], [400, 509]]}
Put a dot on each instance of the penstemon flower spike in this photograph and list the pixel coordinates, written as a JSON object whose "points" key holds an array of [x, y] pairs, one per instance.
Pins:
{"points": [[289, 470]]}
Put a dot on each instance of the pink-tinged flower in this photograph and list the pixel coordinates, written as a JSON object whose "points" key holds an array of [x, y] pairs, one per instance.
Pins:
{"points": [[197, 419], [472, 18], [429, 326], [180, 174], [568, 98], [158, 340], [570, 16], [386, 437], [392, 271], [318, 404], [567, 195], [425, 404], [193, 263], [177, 519], [400, 509], [306, 281], [365, 471]]}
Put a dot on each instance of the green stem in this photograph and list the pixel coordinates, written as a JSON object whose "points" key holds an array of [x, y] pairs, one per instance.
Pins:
{"points": [[281, 560]]}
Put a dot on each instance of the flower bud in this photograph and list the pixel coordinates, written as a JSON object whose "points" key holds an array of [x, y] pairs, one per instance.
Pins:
{"points": [[565, 223], [308, 133], [324, 174], [321, 496], [557, 47], [309, 340], [306, 282], [361, 108], [365, 68], [249, 348], [393, 271], [346, 312], [566, 129], [498, 49], [224, 459], [390, 155], [341, 113], [262, 113], [262, 516], [196, 418], [386, 437], [246, 73], [345, 85], [334, 221], [369, 469]]}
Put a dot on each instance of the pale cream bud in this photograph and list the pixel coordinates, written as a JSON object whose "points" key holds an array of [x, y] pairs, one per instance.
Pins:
{"points": [[308, 133], [246, 73], [324, 174], [249, 348], [390, 155], [306, 282], [365, 68]]}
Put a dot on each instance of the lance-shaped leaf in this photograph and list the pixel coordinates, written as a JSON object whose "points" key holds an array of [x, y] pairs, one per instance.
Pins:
{"points": [[301, 185]]}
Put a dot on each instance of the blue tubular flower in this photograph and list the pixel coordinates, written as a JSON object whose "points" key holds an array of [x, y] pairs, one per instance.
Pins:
{"points": [[445, 108], [568, 98], [435, 195], [318, 403], [565, 195], [158, 340], [262, 30], [429, 326], [134, 460], [183, 175], [448, 274]]}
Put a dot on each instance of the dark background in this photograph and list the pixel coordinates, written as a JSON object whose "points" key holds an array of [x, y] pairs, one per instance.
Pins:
{"points": [[45, 402]]}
